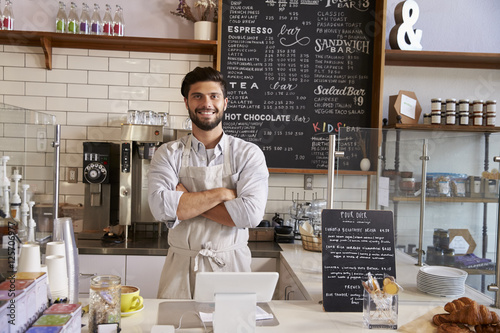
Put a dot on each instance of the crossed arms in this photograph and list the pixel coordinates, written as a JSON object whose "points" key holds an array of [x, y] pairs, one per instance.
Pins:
{"points": [[209, 204]]}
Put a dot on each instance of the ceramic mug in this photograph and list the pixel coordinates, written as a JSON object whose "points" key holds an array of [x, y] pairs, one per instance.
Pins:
{"points": [[130, 299]]}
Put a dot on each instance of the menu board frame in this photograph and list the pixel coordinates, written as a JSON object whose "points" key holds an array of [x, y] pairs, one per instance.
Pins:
{"points": [[375, 115], [354, 243]]}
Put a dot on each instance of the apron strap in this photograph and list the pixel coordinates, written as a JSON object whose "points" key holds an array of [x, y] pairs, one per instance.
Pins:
{"points": [[206, 251], [185, 153]]}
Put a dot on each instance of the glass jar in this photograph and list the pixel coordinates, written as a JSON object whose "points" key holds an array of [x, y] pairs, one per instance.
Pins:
{"points": [[449, 257], [477, 106], [451, 117], [463, 112], [427, 118], [451, 104], [491, 106], [477, 119], [491, 119], [443, 113], [105, 301], [436, 117], [435, 104]]}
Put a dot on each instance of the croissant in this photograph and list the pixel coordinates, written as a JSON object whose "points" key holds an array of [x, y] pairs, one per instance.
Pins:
{"points": [[474, 314], [441, 318], [457, 304], [487, 328], [453, 328]]}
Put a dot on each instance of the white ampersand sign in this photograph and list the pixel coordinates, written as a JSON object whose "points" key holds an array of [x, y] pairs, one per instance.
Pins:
{"points": [[402, 35]]}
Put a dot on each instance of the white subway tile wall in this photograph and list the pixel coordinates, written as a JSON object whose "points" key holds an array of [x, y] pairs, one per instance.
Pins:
{"points": [[90, 91]]}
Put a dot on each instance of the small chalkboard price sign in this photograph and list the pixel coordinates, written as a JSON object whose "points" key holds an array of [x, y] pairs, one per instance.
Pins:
{"points": [[355, 243]]}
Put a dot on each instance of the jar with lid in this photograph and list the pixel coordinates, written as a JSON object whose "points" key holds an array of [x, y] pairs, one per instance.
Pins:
{"points": [[105, 301], [436, 117], [491, 114], [449, 257], [443, 112], [451, 107], [427, 118], [491, 106], [463, 112], [477, 116], [436, 104]]}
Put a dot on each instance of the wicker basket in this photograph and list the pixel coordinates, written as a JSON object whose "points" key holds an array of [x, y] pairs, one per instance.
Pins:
{"points": [[311, 243]]}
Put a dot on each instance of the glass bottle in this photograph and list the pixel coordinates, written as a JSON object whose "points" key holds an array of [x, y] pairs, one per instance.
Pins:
{"points": [[118, 22], [73, 20], [1, 19], [107, 22], [96, 26], [62, 18], [85, 20], [105, 297], [8, 16]]}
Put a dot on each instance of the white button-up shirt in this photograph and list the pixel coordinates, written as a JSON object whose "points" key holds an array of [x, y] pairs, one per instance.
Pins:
{"points": [[248, 162]]}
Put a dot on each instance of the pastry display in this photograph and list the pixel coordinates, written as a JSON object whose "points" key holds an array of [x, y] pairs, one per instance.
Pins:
{"points": [[466, 315]]}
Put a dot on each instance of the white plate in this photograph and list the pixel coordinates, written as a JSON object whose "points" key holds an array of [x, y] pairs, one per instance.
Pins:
{"points": [[443, 271], [126, 314]]}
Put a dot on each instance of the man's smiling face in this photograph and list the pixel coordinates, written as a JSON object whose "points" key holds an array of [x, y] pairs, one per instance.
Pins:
{"points": [[206, 104]]}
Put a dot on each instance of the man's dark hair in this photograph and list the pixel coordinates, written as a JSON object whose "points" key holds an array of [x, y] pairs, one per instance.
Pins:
{"points": [[202, 74]]}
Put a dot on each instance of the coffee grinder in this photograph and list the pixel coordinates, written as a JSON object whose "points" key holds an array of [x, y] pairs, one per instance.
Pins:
{"points": [[101, 178]]}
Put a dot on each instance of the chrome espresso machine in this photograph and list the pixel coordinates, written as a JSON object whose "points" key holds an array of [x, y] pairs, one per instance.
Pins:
{"points": [[138, 144]]}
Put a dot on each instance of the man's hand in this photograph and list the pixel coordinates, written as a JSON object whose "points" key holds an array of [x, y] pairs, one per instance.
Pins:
{"points": [[181, 188], [209, 203]]}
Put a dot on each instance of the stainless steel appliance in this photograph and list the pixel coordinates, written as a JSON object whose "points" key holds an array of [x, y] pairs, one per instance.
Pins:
{"points": [[101, 179], [138, 144]]}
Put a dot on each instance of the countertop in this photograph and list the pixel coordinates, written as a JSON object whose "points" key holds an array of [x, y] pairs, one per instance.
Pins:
{"points": [[309, 316], [150, 244]]}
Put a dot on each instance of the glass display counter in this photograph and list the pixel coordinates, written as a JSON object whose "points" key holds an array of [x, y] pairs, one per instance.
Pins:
{"points": [[442, 186]]}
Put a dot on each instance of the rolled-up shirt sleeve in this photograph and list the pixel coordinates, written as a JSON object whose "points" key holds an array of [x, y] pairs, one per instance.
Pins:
{"points": [[163, 178], [252, 177]]}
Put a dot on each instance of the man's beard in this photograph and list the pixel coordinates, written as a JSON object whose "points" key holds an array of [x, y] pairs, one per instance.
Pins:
{"points": [[205, 125]]}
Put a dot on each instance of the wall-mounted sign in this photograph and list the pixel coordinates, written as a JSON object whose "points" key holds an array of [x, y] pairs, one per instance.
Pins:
{"points": [[297, 72]]}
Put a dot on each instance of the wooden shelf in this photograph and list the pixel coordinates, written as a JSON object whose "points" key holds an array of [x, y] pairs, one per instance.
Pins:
{"points": [[446, 199], [442, 59], [452, 128], [49, 40]]}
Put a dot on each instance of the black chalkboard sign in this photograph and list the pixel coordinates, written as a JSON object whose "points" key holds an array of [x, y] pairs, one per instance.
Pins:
{"points": [[298, 70], [355, 243]]}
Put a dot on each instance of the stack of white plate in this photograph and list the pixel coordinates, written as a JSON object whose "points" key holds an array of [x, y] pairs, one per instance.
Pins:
{"points": [[441, 281]]}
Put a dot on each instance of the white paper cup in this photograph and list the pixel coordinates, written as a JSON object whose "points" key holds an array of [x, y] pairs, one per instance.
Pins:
{"points": [[58, 275], [55, 248], [29, 258]]}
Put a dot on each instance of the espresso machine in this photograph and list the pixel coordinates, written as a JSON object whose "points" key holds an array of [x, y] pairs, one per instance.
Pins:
{"points": [[138, 144], [101, 179]]}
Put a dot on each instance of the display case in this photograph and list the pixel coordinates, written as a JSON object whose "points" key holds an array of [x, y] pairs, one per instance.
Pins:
{"points": [[442, 185], [26, 138]]}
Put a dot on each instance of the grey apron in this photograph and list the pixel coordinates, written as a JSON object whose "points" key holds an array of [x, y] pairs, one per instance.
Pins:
{"points": [[200, 244]]}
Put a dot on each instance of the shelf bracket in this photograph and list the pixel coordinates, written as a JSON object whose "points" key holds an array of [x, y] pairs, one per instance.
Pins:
{"points": [[46, 43]]}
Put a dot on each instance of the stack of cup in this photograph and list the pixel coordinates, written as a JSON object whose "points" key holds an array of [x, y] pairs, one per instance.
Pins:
{"points": [[55, 248], [29, 258], [58, 276]]}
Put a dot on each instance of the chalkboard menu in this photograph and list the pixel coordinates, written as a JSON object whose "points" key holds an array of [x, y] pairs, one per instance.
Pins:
{"points": [[298, 70], [355, 243]]}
